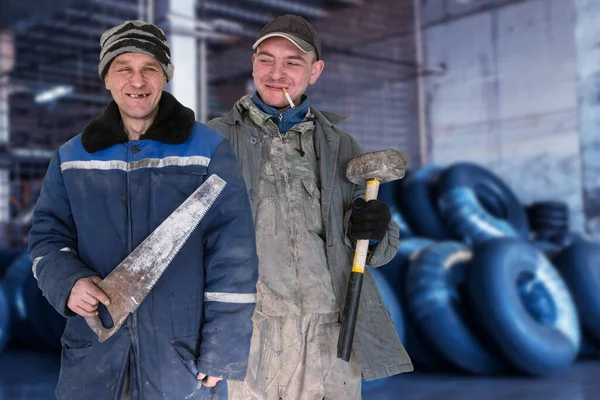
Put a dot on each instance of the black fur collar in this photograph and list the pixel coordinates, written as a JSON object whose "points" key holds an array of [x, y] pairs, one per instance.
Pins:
{"points": [[173, 125]]}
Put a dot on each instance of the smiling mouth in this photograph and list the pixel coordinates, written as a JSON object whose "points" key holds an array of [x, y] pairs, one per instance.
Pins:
{"points": [[138, 96]]}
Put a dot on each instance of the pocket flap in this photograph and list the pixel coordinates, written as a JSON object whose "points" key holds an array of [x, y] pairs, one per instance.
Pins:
{"points": [[186, 349], [311, 187]]}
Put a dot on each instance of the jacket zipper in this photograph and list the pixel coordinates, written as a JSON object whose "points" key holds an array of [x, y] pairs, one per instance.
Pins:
{"points": [[279, 128], [132, 321]]}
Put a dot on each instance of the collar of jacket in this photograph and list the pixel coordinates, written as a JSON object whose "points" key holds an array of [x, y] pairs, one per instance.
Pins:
{"points": [[236, 115], [287, 119], [173, 124]]}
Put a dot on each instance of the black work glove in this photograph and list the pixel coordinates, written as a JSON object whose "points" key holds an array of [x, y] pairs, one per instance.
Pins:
{"points": [[369, 220]]}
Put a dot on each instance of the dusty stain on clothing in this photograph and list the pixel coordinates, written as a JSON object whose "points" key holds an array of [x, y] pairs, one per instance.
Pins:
{"points": [[293, 354]]}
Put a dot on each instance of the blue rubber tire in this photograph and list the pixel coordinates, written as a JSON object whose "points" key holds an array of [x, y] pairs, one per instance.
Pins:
{"points": [[465, 192], [579, 264], [394, 270], [548, 220], [391, 299], [5, 320], [524, 306], [439, 308], [8, 256], [551, 215], [545, 205], [548, 210], [46, 321], [423, 356], [549, 223], [568, 239], [558, 227], [36, 324], [590, 348], [418, 203], [549, 249], [389, 193]]}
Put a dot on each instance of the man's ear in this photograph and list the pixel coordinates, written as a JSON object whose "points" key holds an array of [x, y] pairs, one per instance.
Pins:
{"points": [[315, 71]]}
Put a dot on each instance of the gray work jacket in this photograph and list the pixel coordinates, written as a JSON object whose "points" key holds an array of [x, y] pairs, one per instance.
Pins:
{"points": [[376, 342]]}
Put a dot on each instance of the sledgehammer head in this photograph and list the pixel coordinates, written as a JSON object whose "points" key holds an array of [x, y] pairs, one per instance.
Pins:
{"points": [[385, 165]]}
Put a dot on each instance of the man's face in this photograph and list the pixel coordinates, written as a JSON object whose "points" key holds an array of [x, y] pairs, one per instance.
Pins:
{"points": [[136, 81], [278, 64]]}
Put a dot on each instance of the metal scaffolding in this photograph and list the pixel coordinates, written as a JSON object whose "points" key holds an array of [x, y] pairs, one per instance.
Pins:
{"points": [[50, 90]]}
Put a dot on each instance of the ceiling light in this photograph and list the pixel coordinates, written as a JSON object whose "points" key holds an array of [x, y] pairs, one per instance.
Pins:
{"points": [[53, 94]]}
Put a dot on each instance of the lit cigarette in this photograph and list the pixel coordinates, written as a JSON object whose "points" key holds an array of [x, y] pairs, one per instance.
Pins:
{"points": [[287, 96]]}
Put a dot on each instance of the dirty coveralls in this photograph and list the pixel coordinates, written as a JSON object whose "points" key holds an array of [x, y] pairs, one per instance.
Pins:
{"points": [[293, 354]]}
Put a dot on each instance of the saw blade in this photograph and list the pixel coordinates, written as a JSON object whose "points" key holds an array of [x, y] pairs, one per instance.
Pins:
{"points": [[131, 281]]}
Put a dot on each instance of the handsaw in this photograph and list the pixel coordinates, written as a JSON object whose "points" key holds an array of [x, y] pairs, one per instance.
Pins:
{"points": [[131, 281]]}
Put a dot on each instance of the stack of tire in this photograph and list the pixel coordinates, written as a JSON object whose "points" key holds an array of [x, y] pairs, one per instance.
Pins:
{"points": [[483, 284], [27, 320]]}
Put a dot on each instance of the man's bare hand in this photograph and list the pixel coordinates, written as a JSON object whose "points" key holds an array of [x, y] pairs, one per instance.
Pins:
{"points": [[85, 296], [208, 381]]}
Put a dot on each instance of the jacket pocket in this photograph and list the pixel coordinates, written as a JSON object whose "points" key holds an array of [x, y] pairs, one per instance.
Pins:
{"points": [[267, 208], [334, 369], [72, 379], [170, 187], [312, 206], [74, 355], [95, 186], [187, 350], [328, 334], [75, 342]]}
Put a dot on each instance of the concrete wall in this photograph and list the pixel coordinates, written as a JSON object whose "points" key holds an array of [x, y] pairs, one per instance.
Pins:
{"points": [[369, 54], [509, 98], [368, 75]]}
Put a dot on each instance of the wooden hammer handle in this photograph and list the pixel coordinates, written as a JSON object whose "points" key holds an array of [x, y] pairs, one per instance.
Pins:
{"points": [[352, 301]]}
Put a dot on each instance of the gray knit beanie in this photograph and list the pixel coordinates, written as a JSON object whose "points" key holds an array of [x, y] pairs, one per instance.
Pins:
{"points": [[135, 37]]}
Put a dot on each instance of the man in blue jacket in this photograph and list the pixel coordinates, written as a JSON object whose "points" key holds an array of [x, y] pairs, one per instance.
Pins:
{"points": [[104, 192]]}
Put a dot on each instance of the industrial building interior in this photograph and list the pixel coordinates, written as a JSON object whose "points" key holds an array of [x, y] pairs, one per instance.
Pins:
{"points": [[508, 85]]}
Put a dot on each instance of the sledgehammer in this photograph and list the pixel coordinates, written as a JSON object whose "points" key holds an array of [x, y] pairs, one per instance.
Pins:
{"points": [[375, 168]]}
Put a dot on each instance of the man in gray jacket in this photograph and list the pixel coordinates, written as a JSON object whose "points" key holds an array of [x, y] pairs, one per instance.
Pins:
{"points": [[307, 217]]}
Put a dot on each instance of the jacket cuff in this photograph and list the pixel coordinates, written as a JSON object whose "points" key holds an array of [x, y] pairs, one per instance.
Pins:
{"points": [[386, 249], [379, 250], [57, 278], [64, 297]]}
